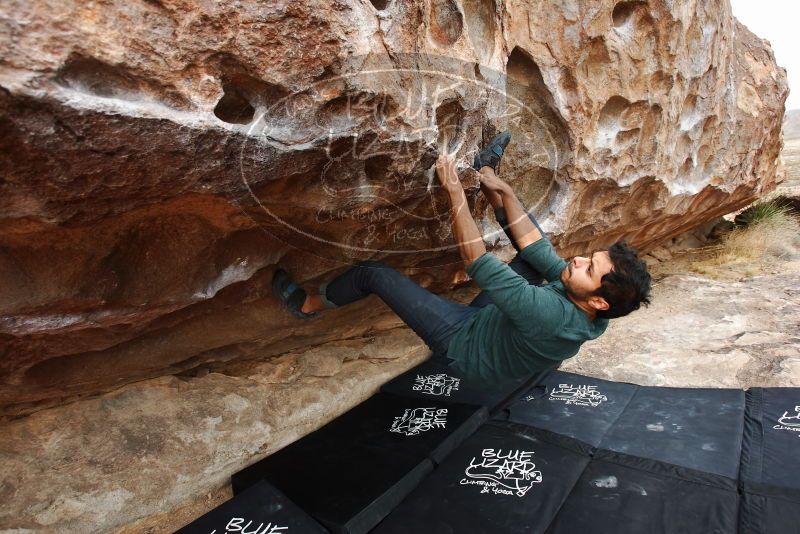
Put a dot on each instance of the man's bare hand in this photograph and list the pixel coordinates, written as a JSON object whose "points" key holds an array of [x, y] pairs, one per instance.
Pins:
{"points": [[446, 171], [490, 181]]}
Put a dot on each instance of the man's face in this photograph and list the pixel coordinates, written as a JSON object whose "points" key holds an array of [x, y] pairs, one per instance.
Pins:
{"points": [[583, 275]]}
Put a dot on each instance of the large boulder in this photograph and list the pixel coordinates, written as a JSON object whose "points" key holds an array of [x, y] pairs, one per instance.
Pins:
{"points": [[160, 158]]}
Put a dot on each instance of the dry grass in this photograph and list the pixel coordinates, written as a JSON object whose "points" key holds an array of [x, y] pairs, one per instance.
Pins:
{"points": [[767, 244], [757, 248]]}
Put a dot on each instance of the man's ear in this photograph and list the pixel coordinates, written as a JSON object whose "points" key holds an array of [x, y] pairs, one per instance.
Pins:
{"points": [[598, 303]]}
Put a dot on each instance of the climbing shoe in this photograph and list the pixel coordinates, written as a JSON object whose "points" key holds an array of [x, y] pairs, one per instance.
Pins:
{"points": [[290, 294], [490, 156]]}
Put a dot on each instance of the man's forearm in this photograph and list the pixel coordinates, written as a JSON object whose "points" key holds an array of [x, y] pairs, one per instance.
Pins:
{"points": [[494, 199], [465, 230], [522, 228]]}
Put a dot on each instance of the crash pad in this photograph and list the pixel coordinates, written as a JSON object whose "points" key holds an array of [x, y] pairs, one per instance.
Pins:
{"points": [[433, 379], [505, 478], [697, 428], [577, 406], [622, 494], [260, 509], [770, 474]]}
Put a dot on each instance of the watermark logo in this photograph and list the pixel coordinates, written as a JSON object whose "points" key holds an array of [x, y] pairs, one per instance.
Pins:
{"points": [[789, 421], [580, 395], [439, 384], [417, 420], [344, 167], [503, 472], [237, 524]]}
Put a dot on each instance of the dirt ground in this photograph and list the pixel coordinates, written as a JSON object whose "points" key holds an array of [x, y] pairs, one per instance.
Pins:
{"points": [[729, 330]]}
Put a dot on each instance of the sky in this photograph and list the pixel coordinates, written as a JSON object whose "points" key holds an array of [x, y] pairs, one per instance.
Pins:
{"points": [[777, 22]]}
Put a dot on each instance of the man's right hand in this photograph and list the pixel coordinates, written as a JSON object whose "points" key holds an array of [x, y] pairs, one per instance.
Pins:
{"points": [[491, 182], [520, 226]]}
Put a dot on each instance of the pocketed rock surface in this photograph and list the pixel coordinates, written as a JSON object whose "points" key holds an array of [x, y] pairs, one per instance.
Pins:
{"points": [[160, 159]]}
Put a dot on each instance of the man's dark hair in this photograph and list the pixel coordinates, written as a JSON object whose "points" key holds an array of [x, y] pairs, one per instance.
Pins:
{"points": [[627, 286]]}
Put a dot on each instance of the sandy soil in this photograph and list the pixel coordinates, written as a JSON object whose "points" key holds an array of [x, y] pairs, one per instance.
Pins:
{"points": [[730, 330]]}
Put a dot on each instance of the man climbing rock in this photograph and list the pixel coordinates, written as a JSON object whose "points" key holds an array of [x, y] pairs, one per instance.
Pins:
{"points": [[518, 324]]}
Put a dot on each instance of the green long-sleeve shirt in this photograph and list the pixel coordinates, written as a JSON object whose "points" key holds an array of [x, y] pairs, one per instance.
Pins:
{"points": [[527, 328]]}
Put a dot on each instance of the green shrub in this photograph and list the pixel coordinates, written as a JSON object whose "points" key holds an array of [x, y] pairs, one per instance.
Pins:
{"points": [[762, 211]]}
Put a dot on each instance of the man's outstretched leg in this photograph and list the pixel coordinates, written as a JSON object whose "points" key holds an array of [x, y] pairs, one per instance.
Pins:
{"points": [[433, 318]]}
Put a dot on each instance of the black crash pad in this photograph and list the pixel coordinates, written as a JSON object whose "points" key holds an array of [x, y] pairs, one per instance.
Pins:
{"points": [[348, 488], [772, 434], [505, 478], [761, 514], [621, 494], [696, 428], [262, 509], [577, 406], [350, 473], [427, 428], [770, 472], [434, 379]]}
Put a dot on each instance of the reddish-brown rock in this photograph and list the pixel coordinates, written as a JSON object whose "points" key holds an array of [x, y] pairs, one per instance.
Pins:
{"points": [[160, 158]]}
